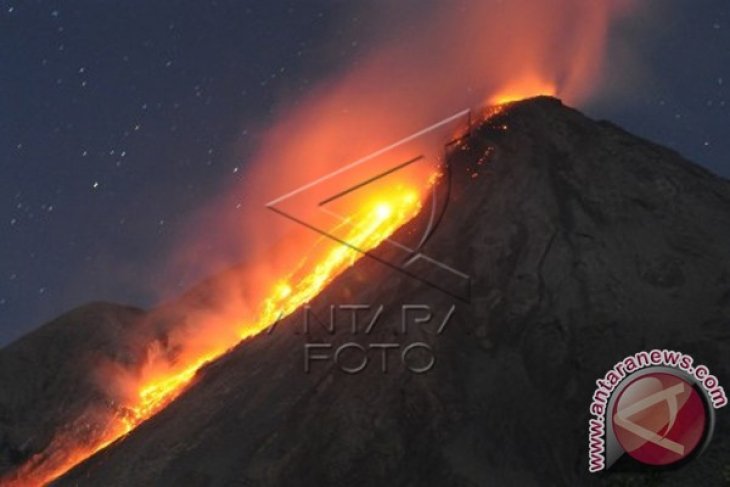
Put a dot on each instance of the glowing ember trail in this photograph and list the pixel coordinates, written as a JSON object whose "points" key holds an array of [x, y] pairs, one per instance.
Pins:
{"points": [[379, 217]]}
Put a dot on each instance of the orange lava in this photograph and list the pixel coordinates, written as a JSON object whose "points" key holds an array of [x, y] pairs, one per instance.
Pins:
{"points": [[379, 216]]}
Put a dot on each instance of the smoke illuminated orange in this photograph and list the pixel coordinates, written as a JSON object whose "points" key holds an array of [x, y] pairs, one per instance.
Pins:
{"points": [[521, 88]]}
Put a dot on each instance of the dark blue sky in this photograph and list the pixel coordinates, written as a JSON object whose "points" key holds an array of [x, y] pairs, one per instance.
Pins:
{"points": [[118, 119]]}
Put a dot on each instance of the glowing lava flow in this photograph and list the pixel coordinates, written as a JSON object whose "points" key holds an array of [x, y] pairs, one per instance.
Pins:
{"points": [[379, 217]]}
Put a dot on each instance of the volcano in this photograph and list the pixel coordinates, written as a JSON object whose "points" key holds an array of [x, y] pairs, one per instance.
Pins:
{"points": [[582, 244]]}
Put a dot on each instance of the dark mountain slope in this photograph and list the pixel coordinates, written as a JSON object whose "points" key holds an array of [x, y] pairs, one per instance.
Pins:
{"points": [[45, 382], [584, 244]]}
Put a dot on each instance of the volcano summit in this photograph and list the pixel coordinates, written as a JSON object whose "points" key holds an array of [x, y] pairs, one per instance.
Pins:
{"points": [[583, 243]]}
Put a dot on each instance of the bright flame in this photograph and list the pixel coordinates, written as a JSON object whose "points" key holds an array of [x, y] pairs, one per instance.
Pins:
{"points": [[383, 210]]}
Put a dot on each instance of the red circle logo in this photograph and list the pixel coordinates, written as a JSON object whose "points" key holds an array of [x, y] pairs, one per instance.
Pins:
{"points": [[659, 418]]}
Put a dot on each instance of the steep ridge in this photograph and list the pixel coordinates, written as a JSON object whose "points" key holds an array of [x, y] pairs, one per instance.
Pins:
{"points": [[45, 379], [583, 244]]}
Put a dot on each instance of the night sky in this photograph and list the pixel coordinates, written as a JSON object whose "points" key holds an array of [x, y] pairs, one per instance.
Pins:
{"points": [[118, 119]]}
